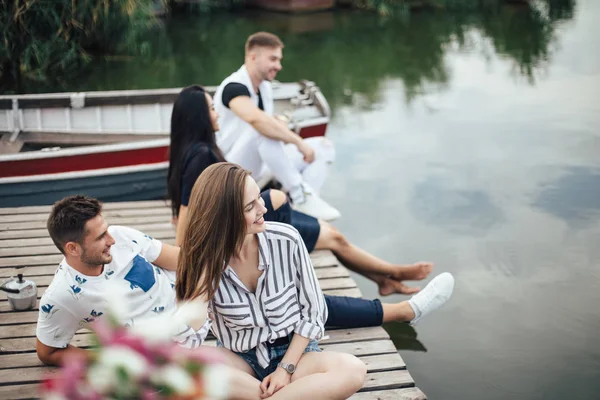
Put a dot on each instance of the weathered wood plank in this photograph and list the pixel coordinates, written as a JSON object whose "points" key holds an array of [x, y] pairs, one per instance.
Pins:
{"points": [[394, 394], [56, 257], [41, 270], [27, 357], [383, 362], [42, 283], [46, 241], [13, 226], [83, 339], [19, 389], [388, 380], [43, 232], [34, 374], [350, 292], [17, 392], [27, 329], [5, 307], [114, 214], [21, 317], [125, 205]]}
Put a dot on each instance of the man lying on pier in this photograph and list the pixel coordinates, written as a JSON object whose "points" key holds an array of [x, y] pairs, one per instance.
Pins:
{"points": [[96, 254]]}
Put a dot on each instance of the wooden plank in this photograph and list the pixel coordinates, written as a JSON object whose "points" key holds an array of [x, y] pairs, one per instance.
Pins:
{"points": [[26, 329], [46, 241], [17, 392], [43, 232], [21, 317], [40, 270], [151, 217], [20, 353], [109, 215], [388, 380], [83, 338], [334, 290], [383, 362], [5, 307], [26, 375], [17, 331], [117, 205], [337, 283], [367, 348], [394, 394]]}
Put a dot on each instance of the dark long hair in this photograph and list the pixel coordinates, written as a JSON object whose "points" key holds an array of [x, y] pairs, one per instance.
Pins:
{"points": [[215, 232], [190, 125]]}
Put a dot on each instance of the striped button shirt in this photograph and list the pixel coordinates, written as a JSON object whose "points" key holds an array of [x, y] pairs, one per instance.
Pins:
{"points": [[287, 299]]}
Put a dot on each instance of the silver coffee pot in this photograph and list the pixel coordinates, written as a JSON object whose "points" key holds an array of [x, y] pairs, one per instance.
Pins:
{"points": [[21, 293]]}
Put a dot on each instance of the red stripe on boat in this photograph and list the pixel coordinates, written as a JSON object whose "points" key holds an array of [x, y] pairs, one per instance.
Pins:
{"points": [[83, 162]]}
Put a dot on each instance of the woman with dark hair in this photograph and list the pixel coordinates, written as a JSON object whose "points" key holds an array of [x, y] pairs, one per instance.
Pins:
{"points": [[194, 122], [193, 149]]}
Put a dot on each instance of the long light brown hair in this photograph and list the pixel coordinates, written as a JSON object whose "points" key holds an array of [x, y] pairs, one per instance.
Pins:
{"points": [[215, 232]]}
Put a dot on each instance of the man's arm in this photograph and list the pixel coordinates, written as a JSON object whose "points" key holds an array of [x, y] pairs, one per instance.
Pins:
{"points": [[167, 259], [53, 355], [268, 126]]}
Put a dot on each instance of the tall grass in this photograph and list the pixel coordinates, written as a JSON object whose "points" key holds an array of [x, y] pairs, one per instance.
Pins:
{"points": [[51, 39]]}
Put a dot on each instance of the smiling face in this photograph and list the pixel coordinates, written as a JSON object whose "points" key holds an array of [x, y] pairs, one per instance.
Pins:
{"points": [[214, 115], [254, 208], [95, 249], [267, 61]]}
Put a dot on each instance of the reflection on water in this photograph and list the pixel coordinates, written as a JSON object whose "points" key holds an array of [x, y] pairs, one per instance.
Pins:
{"points": [[470, 140], [461, 211], [573, 197]]}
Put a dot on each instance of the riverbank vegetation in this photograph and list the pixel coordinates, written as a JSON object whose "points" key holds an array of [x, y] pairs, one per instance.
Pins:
{"points": [[48, 43]]}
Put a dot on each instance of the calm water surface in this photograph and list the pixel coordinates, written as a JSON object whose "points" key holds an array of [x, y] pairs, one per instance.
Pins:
{"points": [[472, 141]]}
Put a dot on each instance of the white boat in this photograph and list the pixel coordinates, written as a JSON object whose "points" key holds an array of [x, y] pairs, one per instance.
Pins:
{"points": [[112, 145]]}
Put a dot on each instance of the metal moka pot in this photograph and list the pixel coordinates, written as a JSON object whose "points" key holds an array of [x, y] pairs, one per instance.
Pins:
{"points": [[21, 293]]}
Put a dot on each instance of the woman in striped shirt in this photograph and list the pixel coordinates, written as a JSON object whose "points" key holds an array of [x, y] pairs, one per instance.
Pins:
{"points": [[266, 305]]}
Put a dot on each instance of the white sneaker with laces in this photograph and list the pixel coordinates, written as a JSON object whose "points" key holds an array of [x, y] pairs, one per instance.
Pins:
{"points": [[435, 294], [306, 201]]}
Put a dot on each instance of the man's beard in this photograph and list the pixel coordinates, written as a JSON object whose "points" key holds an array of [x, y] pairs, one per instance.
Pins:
{"points": [[95, 259]]}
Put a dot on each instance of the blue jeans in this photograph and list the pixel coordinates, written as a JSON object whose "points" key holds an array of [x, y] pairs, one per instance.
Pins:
{"points": [[276, 354], [351, 312]]}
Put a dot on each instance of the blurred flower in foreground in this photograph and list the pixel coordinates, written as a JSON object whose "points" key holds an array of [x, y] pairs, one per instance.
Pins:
{"points": [[138, 363]]}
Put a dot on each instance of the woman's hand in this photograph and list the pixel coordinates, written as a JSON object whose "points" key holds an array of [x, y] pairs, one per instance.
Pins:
{"points": [[274, 382]]}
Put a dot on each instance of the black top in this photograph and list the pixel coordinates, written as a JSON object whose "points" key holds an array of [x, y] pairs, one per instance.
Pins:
{"points": [[234, 89], [199, 157]]}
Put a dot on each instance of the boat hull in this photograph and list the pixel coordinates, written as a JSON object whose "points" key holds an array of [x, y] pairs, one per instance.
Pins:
{"points": [[134, 185]]}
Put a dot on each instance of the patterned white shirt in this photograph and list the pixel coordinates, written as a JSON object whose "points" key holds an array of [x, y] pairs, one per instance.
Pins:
{"points": [[287, 299], [74, 300]]}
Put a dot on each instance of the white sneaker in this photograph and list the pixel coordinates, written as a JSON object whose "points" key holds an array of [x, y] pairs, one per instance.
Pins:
{"points": [[435, 294], [316, 207]]}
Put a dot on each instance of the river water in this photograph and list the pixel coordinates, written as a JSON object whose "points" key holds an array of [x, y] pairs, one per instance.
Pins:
{"points": [[469, 140]]}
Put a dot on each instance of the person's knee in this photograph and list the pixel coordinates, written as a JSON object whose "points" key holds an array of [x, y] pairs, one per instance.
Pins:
{"points": [[354, 372], [278, 198], [337, 239]]}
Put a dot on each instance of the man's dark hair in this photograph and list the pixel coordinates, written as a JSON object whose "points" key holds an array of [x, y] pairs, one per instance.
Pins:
{"points": [[263, 39], [68, 217]]}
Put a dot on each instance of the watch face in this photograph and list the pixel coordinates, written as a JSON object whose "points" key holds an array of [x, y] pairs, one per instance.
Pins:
{"points": [[290, 368]]}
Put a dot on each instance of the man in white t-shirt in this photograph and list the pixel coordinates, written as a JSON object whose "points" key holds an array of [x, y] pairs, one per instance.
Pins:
{"points": [[100, 260]]}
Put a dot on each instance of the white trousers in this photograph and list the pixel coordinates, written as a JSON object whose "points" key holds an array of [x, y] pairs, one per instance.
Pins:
{"points": [[263, 157]]}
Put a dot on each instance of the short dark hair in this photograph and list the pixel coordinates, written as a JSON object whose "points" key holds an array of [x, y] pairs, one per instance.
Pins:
{"points": [[263, 39], [68, 217]]}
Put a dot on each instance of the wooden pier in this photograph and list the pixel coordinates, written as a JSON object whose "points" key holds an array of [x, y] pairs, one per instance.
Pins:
{"points": [[26, 248]]}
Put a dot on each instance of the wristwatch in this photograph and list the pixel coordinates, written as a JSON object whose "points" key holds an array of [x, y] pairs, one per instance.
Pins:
{"points": [[289, 367]]}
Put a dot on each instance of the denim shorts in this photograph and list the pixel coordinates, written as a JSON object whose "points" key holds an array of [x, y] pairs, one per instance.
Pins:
{"points": [[276, 353]]}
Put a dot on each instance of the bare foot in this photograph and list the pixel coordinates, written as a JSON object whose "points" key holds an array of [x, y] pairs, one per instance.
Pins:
{"points": [[389, 286], [412, 272]]}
